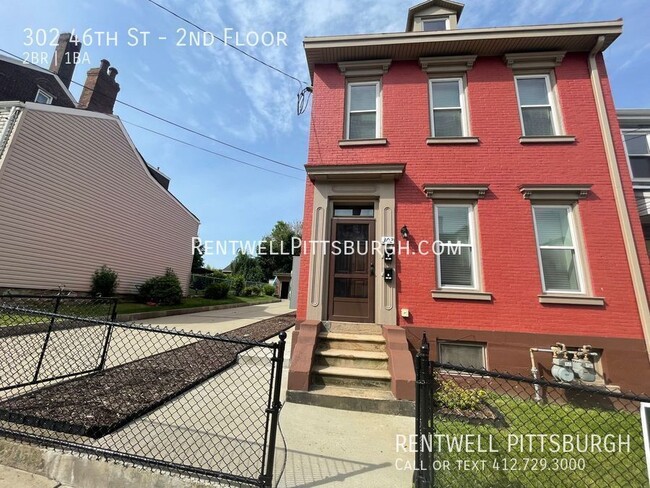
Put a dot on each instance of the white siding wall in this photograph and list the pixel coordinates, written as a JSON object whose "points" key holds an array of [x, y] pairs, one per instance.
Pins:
{"points": [[74, 196]]}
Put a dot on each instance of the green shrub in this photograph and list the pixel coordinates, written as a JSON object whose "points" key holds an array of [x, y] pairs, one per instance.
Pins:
{"points": [[237, 285], [255, 290], [216, 291], [268, 290], [247, 291], [454, 397], [162, 290], [104, 282]]}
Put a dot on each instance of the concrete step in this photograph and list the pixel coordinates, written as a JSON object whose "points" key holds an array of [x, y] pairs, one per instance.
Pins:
{"points": [[349, 358], [350, 377], [352, 328], [357, 342], [361, 400]]}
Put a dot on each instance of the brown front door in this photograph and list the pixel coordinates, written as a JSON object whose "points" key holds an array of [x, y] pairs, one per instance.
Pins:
{"points": [[352, 285]]}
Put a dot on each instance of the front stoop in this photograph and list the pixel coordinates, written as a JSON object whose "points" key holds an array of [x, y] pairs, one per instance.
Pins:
{"points": [[350, 372]]}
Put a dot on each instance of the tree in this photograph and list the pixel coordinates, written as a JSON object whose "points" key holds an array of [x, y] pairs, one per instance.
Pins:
{"points": [[197, 259], [247, 266], [275, 252]]}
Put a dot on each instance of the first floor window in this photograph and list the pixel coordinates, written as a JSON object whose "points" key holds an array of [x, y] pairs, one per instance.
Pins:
{"points": [[557, 249], [363, 110], [448, 111], [638, 150], [537, 105], [456, 254], [469, 355], [43, 97]]}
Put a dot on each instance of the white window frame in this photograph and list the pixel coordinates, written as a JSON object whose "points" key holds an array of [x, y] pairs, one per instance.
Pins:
{"points": [[423, 20], [552, 102], [482, 346], [348, 104], [45, 94], [472, 244], [629, 155], [463, 105], [576, 250]]}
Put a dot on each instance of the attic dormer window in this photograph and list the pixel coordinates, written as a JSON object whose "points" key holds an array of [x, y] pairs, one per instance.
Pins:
{"points": [[43, 97], [433, 25]]}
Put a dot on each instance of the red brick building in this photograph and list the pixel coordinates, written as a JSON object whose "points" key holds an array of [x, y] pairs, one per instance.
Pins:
{"points": [[505, 140]]}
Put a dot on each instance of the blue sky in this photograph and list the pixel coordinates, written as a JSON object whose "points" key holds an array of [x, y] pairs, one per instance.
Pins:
{"points": [[219, 92]]}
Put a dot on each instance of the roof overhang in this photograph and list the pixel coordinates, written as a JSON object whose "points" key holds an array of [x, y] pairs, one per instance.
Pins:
{"points": [[498, 41], [633, 117], [355, 172]]}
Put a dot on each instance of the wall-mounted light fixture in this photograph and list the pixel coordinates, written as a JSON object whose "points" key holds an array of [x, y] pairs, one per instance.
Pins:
{"points": [[405, 232]]}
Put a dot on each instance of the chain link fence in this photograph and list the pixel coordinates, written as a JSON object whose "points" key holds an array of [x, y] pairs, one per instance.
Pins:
{"points": [[491, 429], [181, 402]]}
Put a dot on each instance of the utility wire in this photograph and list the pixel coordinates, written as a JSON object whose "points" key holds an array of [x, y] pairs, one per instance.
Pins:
{"points": [[209, 151], [175, 124], [180, 17]]}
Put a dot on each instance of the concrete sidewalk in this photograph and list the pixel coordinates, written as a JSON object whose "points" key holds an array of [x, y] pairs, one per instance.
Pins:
{"points": [[325, 447]]}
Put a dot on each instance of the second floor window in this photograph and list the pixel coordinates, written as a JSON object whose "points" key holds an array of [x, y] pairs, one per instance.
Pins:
{"points": [[363, 110], [457, 264], [638, 150], [448, 108], [537, 105], [557, 249]]}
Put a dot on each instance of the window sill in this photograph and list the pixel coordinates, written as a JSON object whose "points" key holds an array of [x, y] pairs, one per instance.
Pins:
{"points": [[461, 295], [433, 141], [547, 139], [362, 142], [559, 299]]}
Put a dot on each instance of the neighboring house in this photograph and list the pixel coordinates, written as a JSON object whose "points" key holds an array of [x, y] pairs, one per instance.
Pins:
{"points": [[635, 124], [503, 139], [76, 194]]}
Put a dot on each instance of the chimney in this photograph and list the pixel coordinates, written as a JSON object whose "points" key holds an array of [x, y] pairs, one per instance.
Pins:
{"points": [[100, 90], [65, 58]]}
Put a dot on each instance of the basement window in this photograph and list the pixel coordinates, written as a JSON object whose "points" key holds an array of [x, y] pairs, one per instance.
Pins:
{"points": [[464, 354], [43, 97]]}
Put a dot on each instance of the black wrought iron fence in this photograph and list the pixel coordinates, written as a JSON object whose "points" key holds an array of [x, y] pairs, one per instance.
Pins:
{"points": [[178, 401], [491, 429]]}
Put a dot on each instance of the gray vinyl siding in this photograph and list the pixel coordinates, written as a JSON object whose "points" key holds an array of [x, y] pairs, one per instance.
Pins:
{"points": [[74, 196]]}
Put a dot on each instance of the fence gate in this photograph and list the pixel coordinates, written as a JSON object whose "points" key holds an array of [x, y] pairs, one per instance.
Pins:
{"points": [[483, 428], [178, 401]]}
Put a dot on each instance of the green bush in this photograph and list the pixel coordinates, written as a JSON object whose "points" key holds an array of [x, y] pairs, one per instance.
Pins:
{"points": [[255, 290], [162, 290], [454, 397], [247, 291], [216, 291], [104, 282], [237, 285], [268, 290]]}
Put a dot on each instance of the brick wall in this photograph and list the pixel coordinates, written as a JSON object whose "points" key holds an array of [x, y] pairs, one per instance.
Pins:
{"points": [[509, 260]]}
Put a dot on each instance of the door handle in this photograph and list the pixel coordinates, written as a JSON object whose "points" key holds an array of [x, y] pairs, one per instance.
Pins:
{"points": [[372, 269]]}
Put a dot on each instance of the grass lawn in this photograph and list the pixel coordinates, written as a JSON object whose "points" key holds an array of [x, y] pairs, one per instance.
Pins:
{"points": [[534, 468], [7, 319], [130, 307]]}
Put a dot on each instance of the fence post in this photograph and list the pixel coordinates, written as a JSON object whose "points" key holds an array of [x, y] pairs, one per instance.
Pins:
{"points": [[276, 405], [102, 361], [422, 477], [47, 336]]}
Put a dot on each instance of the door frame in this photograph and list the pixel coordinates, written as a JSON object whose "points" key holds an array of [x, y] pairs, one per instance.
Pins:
{"points": [[371, 265]]}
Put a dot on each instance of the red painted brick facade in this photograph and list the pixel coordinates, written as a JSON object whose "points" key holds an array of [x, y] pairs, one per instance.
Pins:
{"points": [[507, 241]]}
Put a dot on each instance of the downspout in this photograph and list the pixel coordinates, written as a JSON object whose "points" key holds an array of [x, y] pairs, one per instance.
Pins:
{"points": [[619, 195]]}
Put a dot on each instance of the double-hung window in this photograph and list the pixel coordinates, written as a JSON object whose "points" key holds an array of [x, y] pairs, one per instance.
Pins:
{"points": [[448, 107], [456, 246], [638, 150], [363, 119], [537, 105], [557, 249]]}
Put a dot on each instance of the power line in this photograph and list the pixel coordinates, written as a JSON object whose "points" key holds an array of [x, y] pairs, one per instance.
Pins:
{"points": [[175, 124], [209, 151], [226, 43]]}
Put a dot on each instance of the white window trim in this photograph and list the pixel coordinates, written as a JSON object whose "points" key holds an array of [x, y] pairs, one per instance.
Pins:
{"points": [[576, 250], [628, 155], [377, 110], [50, 98], [472, 244], [463, 105], [482, 346], [552, 102], [423, 20]]}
